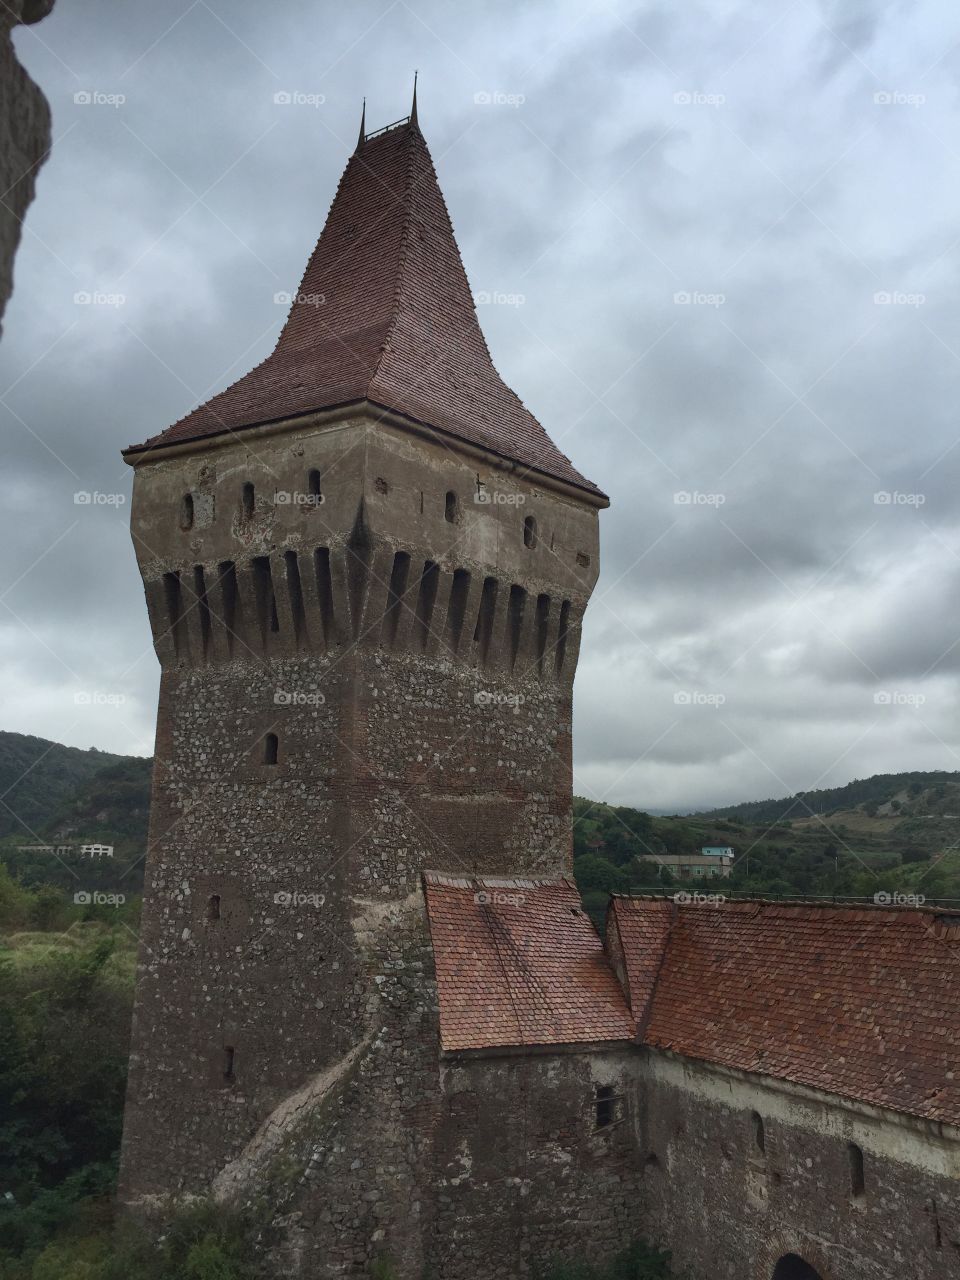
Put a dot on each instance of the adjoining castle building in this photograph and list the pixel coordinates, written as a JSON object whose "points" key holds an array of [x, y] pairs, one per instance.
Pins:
{"points": [[367, 996]]}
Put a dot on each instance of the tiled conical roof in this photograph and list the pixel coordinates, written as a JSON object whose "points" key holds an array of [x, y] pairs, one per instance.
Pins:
{"points": [[385, 314]]}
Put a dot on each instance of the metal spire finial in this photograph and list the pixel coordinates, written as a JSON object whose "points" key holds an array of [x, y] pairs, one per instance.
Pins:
{"points": [[363, 125], [413, 109]]}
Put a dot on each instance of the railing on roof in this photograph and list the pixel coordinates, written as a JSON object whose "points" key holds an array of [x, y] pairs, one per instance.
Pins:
{"points": [[748, 895], [376, 132]]}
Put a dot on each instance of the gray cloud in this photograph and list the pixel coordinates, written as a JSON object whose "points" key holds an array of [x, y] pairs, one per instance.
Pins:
{"points": [[744, 158]]}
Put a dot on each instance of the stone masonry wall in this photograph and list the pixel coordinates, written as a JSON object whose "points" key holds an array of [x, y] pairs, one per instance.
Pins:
{"points": [[24, 135], [468, 1168], [367, 672], [729, 1210]]}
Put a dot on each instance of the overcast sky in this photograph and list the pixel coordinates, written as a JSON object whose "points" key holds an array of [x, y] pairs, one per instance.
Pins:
{"points": [[730, 236]]}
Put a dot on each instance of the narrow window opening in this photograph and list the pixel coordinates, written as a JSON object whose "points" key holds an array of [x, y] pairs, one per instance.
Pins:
{"points": [[426, 600], [857, 1184], [530, 532], [203, 607], [398, 586], [246, 499], [541, 626], [229, 596], [186, 512], [295, 592], [562, 635], [314, 492], [516, 606], [271, 745], [213, 908], [324, 577], [174, 596], [228, 1063], [485, 614], [457, 609], [451, 508], [266, 600], [759, 1138], [937, 1233], [605, 1104]]}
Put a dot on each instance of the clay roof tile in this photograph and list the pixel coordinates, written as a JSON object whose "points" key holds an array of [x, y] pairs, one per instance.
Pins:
{"points": [[384, 314]]}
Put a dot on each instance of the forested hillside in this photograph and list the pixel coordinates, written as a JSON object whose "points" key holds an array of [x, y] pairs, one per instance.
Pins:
{"points": [[38, 777]]}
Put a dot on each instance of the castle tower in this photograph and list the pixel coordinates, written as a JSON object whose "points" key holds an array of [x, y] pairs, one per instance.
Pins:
{"points": [[365, 565]]}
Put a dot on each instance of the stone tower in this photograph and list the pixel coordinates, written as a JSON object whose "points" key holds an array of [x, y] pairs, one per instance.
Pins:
{"points": [[365, 565]]}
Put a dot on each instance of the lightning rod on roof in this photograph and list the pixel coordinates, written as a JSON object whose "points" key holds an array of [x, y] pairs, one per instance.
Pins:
{"points": [[413, 109]]}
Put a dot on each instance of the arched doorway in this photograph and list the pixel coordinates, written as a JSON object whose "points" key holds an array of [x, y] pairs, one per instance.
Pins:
{"points": [[793, 1267]]}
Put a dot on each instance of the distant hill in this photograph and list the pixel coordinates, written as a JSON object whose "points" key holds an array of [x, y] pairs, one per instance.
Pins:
{"points": [[894, 833], [933, 792], [64, 795], [37, 778]]}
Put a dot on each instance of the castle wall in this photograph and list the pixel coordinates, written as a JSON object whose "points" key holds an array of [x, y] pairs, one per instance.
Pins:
{"points": [[729, 1211], [456, 1168]]}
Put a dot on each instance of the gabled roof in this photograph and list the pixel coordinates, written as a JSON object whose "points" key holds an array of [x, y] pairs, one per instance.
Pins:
{"points": [[385, 315], [863, 1002], [519, 964]]}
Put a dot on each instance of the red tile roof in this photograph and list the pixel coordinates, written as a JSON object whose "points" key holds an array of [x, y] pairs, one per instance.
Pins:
{"points": [[518, 963], [859, 1002], [385, 314]]}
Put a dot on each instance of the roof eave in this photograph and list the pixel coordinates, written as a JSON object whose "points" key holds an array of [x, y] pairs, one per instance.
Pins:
{"points": [[135, 455], [539, 1050]]}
